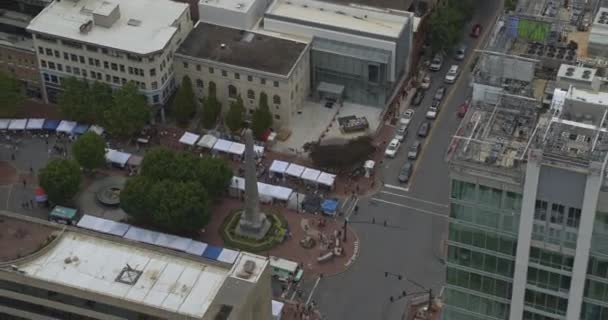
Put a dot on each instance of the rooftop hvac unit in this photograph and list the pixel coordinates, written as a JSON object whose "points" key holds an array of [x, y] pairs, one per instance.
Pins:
{"points": [[586, 74], [570, 71]]}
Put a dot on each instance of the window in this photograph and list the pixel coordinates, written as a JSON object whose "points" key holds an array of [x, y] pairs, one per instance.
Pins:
{"points": [[68, 69], [574, 217], [224, 73], [57, 55], [153, 72], [91, 61], [81, 59], [43, 63], [277, 117], [122, 68], [276, 84], [540, 210], [489, 196], [212, 88], [237, 76], [51, 65], [66, 56], [46, 77], [114, 66], [54, 79], [84, 73], [557, 213], [512, 200], [49, 52], [142, 85], [74, 57], [136, 71], [76, 71], [373, 74], [249, 78], [97, 62], [462, 190], [154, 85], [185, 65], [155, 98], [141, 72], [276, 99], [91, 48], [199, 83], [262, 81], [250, 94], [232, 93], [198, 67], [41, 50], [59, 67], [115, 79], [123, 81], [108, 78], [211, 70], [106, 65]]}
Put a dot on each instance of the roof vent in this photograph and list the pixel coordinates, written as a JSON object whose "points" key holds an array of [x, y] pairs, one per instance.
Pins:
{"points": [[586, 74], [86, 27], [223, 46], [128, 275], [247, 270], [570, 71], [240, 5], [134, 22]]}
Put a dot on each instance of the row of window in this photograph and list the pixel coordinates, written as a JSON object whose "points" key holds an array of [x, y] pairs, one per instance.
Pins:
{"points": [[548, 280], [487, 196], [535, 316], [551, 259], [546, 302], [505, 222], [474, 303], [18, 60], [236, 75], [477, 282], [593, 312], [596, 290], [554, 235], [557, 214], [481, 261], [482, 239]]}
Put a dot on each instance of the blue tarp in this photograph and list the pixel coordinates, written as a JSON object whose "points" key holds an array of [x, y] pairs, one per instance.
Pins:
{"points": [[212, 252], [50, 124], [81, 128], [329, 206]]}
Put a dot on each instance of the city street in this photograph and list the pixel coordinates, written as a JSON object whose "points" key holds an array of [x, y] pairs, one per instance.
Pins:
{"points": [[411, 242]]}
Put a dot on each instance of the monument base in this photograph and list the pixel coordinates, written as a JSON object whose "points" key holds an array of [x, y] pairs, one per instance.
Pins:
{"points": [[251, 230]]}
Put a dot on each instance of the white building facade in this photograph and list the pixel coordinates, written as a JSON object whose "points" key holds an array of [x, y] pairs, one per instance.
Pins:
{"points": [[111, 41]]}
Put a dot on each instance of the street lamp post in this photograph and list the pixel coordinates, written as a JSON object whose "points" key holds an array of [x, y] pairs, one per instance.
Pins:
{"points": [[405, 294]]}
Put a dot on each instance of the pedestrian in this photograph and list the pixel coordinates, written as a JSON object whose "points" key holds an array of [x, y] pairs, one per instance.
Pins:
{"points": [[46, 141], [32, 203], [31, 170], [27, 205], [24, 183], [23, 205], [13, 156]]}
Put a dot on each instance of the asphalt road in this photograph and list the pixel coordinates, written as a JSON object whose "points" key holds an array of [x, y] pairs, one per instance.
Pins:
{"points": [[415, 214]]}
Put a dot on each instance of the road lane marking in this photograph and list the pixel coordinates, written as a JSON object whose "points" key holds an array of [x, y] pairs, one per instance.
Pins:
{"points": [[412, 208], [397, 187], [416, 199], [352, 208], [313, 291]]}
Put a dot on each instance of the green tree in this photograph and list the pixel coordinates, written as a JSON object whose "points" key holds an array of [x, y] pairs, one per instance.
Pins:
{"points": [[100, 99], [214, 174], [211, 108], [159, 164], [128, 114], [74, 100], [446, 24], [137, 199], [182, 207], [184, 105], [89, 151], [234, 118], [11, 96], [60, 179], [262, 118]]}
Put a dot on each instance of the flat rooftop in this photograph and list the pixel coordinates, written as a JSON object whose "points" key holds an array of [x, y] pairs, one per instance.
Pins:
{"points": [[402, 5], [242, 48], [163, 281], [153, 31], [381, 22], [230, 5], [21, 238]]}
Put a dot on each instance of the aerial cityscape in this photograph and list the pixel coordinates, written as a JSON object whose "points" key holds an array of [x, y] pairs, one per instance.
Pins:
{"points": [[304, 159]]}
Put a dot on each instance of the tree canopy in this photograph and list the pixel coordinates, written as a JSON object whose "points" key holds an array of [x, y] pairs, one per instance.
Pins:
{"points": [[262, 118], [84, 102], [234, 118], [447, 24], [89, 151], [211, 108], [342, 155], [60, 179], [184, 104], [11, 96], [129, 112]]}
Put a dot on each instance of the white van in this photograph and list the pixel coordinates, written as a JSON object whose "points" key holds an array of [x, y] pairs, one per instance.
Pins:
{"points": [[283, 269]]}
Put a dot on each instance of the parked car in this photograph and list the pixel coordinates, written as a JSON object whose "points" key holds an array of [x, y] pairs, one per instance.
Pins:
{"points": [[435, 104], [426, 82], [439, 94], [392, 148], [405, 172], [424, 129], [412, 152], [436, 63], [452, 74], [462, 110], [401, 133], [476, 31], [461, 51], [432, 113], [418, 97], [407, 116]]}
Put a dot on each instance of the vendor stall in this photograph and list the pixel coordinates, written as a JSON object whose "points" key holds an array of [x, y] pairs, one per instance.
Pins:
{"points": [[66, 126], [4, 123], [278, 167], [329, 207], [277, 309], [258, 150], [222, 145], [51, 125], [237, 186], [265, 192], [189, 138], [34, 124], [310, 175], [17, 124], [281, 193], [97, 129], [326, 179], [80, 128], [117, 158], [63, 215], [207, 141], [295, 170], [237, 149]]}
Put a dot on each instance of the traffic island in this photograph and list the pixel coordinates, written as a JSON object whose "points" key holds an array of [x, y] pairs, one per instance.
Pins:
{"points": [[272, 238]]}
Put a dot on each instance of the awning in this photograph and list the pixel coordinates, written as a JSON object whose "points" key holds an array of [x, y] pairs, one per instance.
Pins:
{"points": [[281, 193], [277, 308], [142, 235], [196, 248], [207, 141], [329, 206], [212, 252], [66, 126], [189, 138], [172, 242], [103, 225], [222, 145], [310, 174], [117, 157], [17, 124], [4, 123], [265, 190], [81, 128], [228, 256], [34, 124], [331, 88], [327, 179], [50, 124], [96, 129], [237, 149], [279, 166], [295, 170]]}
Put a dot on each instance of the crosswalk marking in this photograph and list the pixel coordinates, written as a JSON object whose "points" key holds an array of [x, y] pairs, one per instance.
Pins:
{"points": [[397, 187]]}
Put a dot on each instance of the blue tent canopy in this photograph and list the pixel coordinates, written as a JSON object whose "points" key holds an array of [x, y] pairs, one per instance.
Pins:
{"points": [[50, 124], [81, 128], [329, 206], [212, 252]]}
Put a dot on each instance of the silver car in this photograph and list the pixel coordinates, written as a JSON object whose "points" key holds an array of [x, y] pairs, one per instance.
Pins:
{"points": [[412, 152], [461, 52]]}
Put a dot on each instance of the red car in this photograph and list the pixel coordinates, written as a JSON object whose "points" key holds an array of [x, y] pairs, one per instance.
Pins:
{"points": [[476, 31], [462, 110]]}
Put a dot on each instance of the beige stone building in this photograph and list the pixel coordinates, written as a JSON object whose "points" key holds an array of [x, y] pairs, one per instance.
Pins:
{"points": [[246, 63]]}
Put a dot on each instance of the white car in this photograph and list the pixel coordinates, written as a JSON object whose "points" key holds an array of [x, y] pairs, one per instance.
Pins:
{"points": [[392, 148], [401, 133], [452, 74], [426, 82], [407, 116], [436, 63], [432, 113]]}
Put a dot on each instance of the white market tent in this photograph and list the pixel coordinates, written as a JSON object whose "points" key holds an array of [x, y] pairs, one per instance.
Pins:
{"points": [[172, 242], [189, 138], [222, 145], [237, 149], [310, 175], [103, 225], [295, 170], [237, 183], [35, 124], [4, 123], [66, 126], [117, 157], [228, 255], [279, 166], [281, 193], [277, 309], [96, 129], [196, 248], [207, 141], [265, 190], [327, 179], [259, 150], [142, 235], [17, 124]]}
